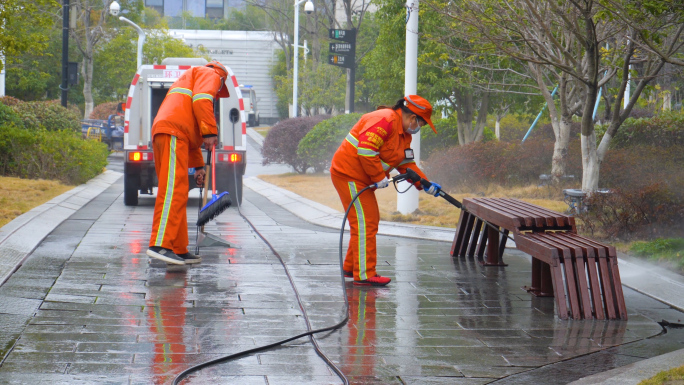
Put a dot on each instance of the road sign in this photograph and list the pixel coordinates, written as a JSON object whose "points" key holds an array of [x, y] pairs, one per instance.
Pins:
{"points": [[341, 61], [348, 35], [341, 47]]}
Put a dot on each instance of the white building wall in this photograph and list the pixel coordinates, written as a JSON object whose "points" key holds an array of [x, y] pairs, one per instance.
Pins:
{"points": [[249, 54]]}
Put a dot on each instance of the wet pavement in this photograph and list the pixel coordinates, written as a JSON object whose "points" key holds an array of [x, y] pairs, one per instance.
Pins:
{"points": [[88, 306]]}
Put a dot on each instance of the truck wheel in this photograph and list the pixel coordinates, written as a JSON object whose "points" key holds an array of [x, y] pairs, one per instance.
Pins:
{"points": [[130, 190]]}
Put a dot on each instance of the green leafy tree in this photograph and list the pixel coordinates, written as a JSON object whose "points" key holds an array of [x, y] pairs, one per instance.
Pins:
{"points": [[567, 41], [22, 23]]}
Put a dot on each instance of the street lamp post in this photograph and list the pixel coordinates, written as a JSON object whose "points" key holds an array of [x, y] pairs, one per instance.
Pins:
{"points": [[308, 8], [114, 9]]}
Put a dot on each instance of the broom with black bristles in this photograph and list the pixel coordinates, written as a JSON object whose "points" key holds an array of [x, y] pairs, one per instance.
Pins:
{"points": [[218, 203]]}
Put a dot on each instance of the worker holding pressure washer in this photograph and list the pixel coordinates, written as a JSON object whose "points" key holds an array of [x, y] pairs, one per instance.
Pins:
{"points": [[184, 122], [377, 144]]}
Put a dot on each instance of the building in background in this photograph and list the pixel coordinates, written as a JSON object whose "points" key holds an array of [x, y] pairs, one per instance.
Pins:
{"points": [[214, 9], [249, 54]]}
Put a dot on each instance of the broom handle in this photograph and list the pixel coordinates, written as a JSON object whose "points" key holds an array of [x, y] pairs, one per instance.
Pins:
{"points": [[206, 184], [213, 169]]}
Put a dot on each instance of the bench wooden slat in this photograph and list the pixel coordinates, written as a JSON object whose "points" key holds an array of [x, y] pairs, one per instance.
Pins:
{"points": [[592, 270], [529, 220], [494, 216], [553, 218], [581, 273]]}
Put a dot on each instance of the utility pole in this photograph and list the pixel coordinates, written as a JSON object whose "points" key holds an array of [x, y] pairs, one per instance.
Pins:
{"points": [[65, 52], [408, 201]]}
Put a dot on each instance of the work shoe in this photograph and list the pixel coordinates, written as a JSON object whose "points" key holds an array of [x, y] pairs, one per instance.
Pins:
{"points": [[190, 258], [165, 255], [373, 281], [348, 274]]}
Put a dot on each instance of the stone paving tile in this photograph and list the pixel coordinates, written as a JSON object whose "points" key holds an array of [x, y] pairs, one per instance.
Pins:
{"points": [[99, 311]]}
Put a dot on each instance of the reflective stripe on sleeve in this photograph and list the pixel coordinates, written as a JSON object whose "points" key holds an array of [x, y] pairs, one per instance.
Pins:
{"points": [[407, 161], [351, 139], [202, 96], [366, 152], [179, 90]]}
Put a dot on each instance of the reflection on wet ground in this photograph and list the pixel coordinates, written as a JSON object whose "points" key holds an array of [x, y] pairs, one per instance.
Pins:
{"points": [[89, 307]]}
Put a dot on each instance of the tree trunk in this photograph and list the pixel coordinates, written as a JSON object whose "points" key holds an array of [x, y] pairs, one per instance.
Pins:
{"points": [[88, 86], [497, 127], [481, 118], [560, 149], [590, 163]]}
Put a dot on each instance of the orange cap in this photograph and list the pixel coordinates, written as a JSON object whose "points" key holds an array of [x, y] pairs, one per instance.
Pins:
{"points": [[420, 107], [223, 73]]}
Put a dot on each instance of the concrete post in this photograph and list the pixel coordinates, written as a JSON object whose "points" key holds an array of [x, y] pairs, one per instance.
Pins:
{"points": [[408, 201]]}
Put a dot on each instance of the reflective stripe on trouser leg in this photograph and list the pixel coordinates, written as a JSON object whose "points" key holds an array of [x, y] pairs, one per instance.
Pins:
{"points": [[362, 238], [169, 227], [371, 215], [168, 196]]}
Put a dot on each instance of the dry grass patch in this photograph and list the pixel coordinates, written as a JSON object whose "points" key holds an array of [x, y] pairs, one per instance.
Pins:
{"points": [[263, 131], [18, 196], [432, 211]]}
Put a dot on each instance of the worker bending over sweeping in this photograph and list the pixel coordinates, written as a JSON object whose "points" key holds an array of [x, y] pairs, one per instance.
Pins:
{"points": [[378, 143], [184, 122]]}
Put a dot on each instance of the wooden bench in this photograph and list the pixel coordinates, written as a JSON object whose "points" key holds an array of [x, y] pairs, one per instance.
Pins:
{"points": [[582, 274]]}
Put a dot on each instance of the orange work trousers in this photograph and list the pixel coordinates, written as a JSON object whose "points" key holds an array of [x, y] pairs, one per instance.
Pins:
{"points": [[364, 219], [170, 223]]}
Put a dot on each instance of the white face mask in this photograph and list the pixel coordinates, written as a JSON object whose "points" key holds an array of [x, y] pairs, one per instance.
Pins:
{"points": [[412, 130]]}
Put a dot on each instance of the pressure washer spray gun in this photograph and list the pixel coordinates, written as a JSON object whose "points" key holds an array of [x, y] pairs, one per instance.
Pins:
{"points": [[412, 177]]}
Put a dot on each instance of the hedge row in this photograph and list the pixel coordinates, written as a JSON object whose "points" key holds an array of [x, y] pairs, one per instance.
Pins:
{"points": [[49, 115], [43, 140], [57, 155]]}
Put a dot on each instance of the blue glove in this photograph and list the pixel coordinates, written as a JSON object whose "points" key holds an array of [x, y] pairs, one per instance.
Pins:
{"points": [[434, 189]]}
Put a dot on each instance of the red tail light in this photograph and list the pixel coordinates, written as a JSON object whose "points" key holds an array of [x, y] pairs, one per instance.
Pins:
{"points": [[138, 156], [232, 157]]}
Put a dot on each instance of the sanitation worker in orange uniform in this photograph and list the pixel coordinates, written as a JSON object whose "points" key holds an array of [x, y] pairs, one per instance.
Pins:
{"points": [[377, 144], [184, 122]]}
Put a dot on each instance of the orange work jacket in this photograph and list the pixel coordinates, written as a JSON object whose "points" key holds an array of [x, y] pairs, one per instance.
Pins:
{"points": [[375, 146], [187, 111]]}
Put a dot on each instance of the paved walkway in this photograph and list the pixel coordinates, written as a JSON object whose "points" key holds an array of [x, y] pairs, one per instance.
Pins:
{"points": [[87, 306]]}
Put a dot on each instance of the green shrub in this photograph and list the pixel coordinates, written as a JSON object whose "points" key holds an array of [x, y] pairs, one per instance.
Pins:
{"points": [[43, 154], [319, 145], [54, 117], [664, 130], [447, 136], [49, 115], [661, 249], [488, 134], [515, 126], [658, 246], [9, 116]]}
